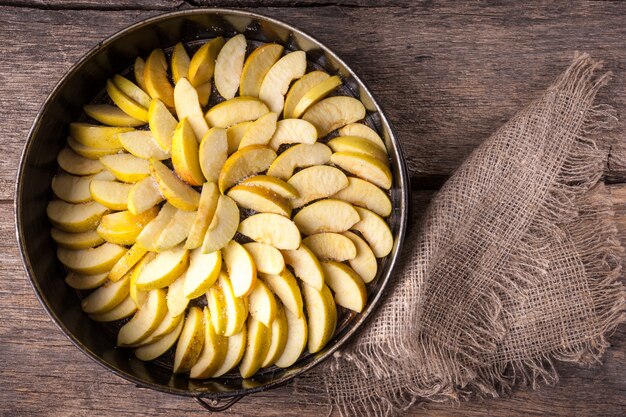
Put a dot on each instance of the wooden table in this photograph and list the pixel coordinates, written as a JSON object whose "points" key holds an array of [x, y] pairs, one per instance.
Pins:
{"points": [[447, 76]]}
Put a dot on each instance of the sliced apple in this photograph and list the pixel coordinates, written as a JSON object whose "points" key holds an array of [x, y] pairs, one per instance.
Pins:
{"points": [[331, 246], [203, 271], [235, 134], [277, 80], [349, 288], [213, 350], [75, 164], [111, 194], [299, 156], [176, 230], [71, 188], [236, 308], [316, 182], [260, 200], [180, 62], [177, 193], [155, 78], [85, 282], [126, 167], [90, 152], [276, 185], [235, 110], [132, 90], [188, 106], [163, 269], [185, 154], [376, 232], [300, 88], [167, 325], [202, 64], [142, 144], [206, 210], [145, 321], [286, 288], [305, 265], [123, 227], [279, 331], [240, 267], [364, 263], [129, 106], [328, 215], [365, 194], [137, 295], [75, 217], [83, 240], [162, 124], [333, 113], [176, 300], [204, 93], [297, 332], [107, 297], [262, 304], [244, 163], [322, 316], [157, 348], [293, 131], [223, 226], [234, 353], [272, 229], [190, 341], [256, 67], [229, 65], [96, 136], [138, 69], [216, 302], [111, 115], [121, 311], [213, 153], [365, 167], [258, 344], [363, 131], [315, 94], [261, 131], [266, 258], [355, 144], [151, 232], [144, 195], [127, 262]]}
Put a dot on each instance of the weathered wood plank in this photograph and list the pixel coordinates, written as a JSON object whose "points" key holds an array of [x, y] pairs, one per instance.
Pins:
{"points": [[95, 4]]}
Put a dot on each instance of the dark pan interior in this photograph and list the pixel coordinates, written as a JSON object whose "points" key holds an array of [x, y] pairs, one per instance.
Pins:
{"points": [[81, 85]]}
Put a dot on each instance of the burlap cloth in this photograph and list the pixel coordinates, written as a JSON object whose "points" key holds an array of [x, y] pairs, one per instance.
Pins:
{"points": [[515, 265]]}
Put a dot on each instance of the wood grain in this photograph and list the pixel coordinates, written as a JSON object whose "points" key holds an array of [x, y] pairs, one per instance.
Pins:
{"points": [[447, 75]]}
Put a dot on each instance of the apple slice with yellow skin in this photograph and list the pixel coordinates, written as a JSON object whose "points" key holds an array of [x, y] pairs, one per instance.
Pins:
{"points": [[126, 167], [89, 151], [216, 302], [175, 191], [364, 263], [261, 131], [137, 295], [163, 269], [127, 262], [316, 182], [236, 307], [322, 316], [188, 106], [266, 258], [365, 167], [145, 320], [138, 69], [234, 352], [213, 350], [305, 265], [278, 341], [256, 67], [75, 164], [180, 62], [144, 195], [286, 288], [244, 163], [297, 336], [274, 184], [185, 154], [376, 232], [142, 144], [223, 226], [257, 346], [71, 189], [260, 200], [365, 194], [272, 229], [262, 304], [85, 282], [235, 134], [331, 246], [229, 65], [333, 113], [328, 215], [151, 232], [315, 94], [213, 153], [126, 103], [349, 288], [123, 227], [202, 64], [300, 88], [355, 144], [203, 271], [206, 210], [236, 110], [204, 93], [121, 311], [110, 194], [75, 218], [167, 325], [240, 267], [162, 124], [299, 156], [277, 80], [176, 300], [111, 115], [176, 230], [132, 90], [95, 136], [83, 240], [155, 349], [363, 131], [105, 298], [293, 131], [155, 78]]}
